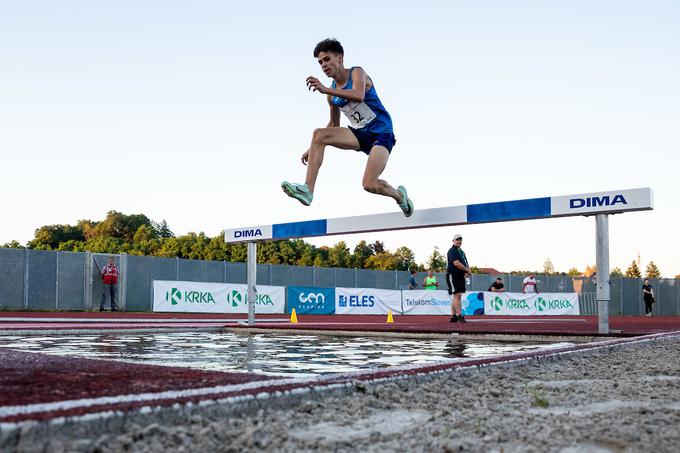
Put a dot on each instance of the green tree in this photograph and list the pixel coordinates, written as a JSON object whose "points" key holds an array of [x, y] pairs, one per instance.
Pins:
{"points": [[107, 245], [50, 236], [405, 258], [652, 271], [339, 256], [89, 228], [12, 245], [217, 249], [548, 267], [378, 247], [616, 273], [72, 246], [163, 229], [321, 258], [436, 261], [119, 225], [144, 233], [633, 271], [573, 272], [382, 261], [362, 251], [268, 253]]}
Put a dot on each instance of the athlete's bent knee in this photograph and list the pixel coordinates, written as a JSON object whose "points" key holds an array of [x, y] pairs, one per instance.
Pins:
{"points": [[372, 187], [320, 135]]}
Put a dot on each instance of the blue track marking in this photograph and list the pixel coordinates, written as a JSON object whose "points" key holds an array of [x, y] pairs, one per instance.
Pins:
{"points": [[509, 210]]}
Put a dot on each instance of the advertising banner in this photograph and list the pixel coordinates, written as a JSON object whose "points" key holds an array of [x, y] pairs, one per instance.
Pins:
{"points": [[270, 299], [425, 302], [367, 301], [311, 301], [531, 304], [198, 297], [437, 302], [189, 297]]}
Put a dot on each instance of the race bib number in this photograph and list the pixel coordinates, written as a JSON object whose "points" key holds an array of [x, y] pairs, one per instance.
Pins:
{"points": [[358, 113]]}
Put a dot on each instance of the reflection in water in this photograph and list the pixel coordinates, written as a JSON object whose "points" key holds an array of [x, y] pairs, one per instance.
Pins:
{"points": [[275, 354]]}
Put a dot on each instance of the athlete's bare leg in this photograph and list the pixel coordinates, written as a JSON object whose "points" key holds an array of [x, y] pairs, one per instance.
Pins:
{"points": [[377, 161], [339, 137], [456, 306]]}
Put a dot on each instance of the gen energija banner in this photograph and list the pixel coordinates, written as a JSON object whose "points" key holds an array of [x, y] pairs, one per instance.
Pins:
{"points": [[310, 300], [531, 304]]}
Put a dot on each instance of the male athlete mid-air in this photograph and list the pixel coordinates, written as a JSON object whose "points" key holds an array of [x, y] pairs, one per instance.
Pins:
{"points": [[370, 127]]}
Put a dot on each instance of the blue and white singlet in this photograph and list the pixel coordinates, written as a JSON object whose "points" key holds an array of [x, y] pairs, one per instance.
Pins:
{"points": [[369, 115]]}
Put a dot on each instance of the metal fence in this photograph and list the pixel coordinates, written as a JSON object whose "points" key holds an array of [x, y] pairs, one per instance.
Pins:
{"points": [[51, 280]]}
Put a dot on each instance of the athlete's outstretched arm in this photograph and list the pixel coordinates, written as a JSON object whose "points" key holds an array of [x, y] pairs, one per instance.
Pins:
{"points": [[356, 94]]}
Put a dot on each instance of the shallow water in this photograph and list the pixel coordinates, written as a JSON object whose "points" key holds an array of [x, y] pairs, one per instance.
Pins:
{"points": [[274, 354]]}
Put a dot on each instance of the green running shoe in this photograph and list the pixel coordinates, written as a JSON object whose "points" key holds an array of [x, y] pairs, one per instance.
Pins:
{"points": [[298, 191], [406, 204]]}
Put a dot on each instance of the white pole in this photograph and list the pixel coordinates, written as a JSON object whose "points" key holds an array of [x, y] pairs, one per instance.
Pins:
{"points": [[602, 263], [252, 281]]}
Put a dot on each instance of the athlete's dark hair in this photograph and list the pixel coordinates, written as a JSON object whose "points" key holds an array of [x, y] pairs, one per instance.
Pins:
{"points": [[329, 45]]}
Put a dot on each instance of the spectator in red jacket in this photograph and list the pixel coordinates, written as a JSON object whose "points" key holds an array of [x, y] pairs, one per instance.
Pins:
{"points": [[110, 279]]}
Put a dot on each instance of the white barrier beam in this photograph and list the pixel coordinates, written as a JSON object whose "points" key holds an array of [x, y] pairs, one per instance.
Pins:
{"points": [[610, 202]]}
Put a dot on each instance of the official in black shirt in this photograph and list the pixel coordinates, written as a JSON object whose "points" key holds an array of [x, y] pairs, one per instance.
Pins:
{"points": [[497, 286], [456, 271]]}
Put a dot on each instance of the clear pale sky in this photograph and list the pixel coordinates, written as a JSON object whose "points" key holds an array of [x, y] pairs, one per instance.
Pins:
{"points": [[194, 112]]}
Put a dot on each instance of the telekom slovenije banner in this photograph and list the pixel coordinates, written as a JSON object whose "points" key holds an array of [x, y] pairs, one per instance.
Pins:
{"points": [[531, 304], [437, 302], [366, 301]]}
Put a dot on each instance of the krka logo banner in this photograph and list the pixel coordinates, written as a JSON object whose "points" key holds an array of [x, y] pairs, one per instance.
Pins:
{"points": [[531, 304], [269, 299], [189, 297], [197, 297]]}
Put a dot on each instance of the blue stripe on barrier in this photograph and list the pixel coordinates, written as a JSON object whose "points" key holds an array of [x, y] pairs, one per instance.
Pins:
{"points": [[509, 210], [308, 228]]}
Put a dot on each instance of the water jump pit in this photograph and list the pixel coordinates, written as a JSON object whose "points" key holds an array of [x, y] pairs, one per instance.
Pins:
{"points": [[113, 379]]}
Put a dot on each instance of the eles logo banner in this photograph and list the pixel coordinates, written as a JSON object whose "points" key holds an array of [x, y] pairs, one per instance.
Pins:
{"points": [[308, 300], [367, 301]]}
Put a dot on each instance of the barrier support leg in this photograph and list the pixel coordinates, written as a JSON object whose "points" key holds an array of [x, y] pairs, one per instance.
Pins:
{"points": [[252, 281], [602, 262]]}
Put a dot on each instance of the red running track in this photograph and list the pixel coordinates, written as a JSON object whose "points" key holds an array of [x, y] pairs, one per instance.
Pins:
{"points": [[537, 325]]}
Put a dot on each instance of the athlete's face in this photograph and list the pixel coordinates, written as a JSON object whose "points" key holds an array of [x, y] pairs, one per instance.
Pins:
{"points": [[330, 62]]}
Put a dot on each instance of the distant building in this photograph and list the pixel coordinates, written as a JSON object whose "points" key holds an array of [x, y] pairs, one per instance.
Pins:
{"points": [[490, 271]]}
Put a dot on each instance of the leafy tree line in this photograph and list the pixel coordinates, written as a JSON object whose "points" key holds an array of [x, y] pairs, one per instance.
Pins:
{"points": [[136, 234]]}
